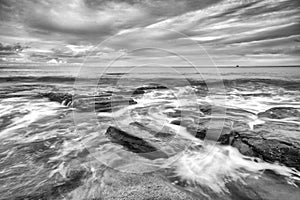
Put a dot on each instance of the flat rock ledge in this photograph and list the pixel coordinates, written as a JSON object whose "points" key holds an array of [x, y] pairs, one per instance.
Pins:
{"points": [[100, 103], [134, 144], [270, 150]]}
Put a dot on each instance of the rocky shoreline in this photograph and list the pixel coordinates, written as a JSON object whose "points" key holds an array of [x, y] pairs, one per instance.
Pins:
{"points": [[248, 142]]}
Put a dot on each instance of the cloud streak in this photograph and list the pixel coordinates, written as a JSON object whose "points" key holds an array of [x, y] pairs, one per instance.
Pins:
{"points": [[248, 32]]}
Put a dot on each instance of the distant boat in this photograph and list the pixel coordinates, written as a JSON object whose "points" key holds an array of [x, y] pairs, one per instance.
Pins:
{"points": [[237, 66]]}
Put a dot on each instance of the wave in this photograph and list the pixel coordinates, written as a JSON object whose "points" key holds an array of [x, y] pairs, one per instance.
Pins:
{"points": [[214, 167]]}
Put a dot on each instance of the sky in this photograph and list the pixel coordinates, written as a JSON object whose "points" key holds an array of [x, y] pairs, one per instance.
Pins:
{"points": [[152, 32]]}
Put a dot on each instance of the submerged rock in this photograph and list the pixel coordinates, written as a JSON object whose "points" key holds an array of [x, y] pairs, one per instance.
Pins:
{"points": [[159, 134], [280, 113], [134, 144]]}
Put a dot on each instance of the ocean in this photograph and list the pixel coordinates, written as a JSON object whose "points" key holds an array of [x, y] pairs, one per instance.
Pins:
{"points": [[86, 132]]}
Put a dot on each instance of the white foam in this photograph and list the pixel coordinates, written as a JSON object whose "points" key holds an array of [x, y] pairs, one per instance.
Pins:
{"points": [[33, 111], [213, 166]]}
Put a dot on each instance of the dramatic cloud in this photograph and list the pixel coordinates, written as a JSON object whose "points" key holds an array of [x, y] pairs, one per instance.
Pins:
{"points": [[248, 32]]}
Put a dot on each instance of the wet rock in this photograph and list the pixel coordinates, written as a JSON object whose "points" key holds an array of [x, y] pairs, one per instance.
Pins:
{"points": [[134, 144], [284, 131], [199, 111], [176, 122], [205, 128], [73, 180], [280, 113], [62, 98], [144, 89], [275, 150], [199, 131], [270, 150], [205, 109], [101, 103], [109, 105]]}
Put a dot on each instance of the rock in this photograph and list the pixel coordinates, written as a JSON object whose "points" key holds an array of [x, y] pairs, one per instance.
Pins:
{"points": [[270, 150], [284, 131], [197, 129], [205, 108], [62, 98], [144, 89], [205, 129], [134, 144], [109, 105], [101, 103], [176, 122], [280, 113], [275, 150], [200, 111], [175, 114]]}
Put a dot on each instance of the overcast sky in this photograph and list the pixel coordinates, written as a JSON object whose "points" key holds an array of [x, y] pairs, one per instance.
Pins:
{"points": [[244, 32]]}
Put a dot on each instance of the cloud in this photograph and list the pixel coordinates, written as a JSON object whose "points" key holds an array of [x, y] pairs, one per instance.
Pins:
{"points": [[230, 30], [95, 17]]}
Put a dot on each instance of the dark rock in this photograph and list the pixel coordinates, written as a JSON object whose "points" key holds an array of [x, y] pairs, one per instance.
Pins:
{"points": [[101, 103], [197, 129], [270, 150], [280, 130], [134, 144], [109, 105], [280, 113], [205, 109], [62, 98], [244, 148], [275, 150], [176, 122], [144, 89], [206, 129]]}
